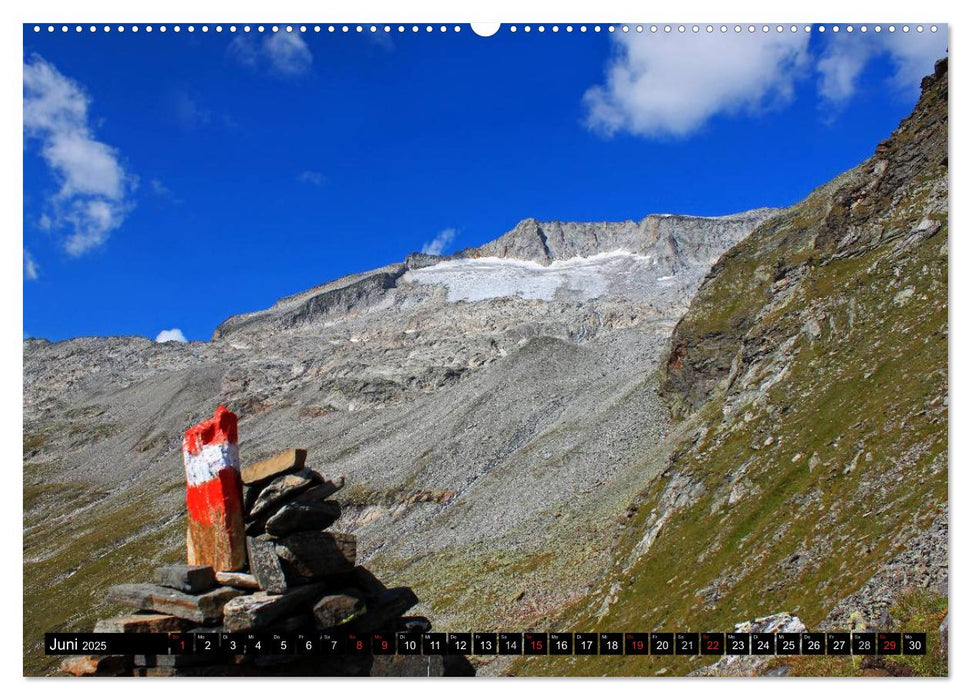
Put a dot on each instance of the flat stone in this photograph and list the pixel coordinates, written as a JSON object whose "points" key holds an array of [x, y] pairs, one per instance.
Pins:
{"points": [[265, 565], [282, 488], [260, 609], [314, 554], [311, 515], [339, 609], [149, 623], [186, 578], [238, 579], [197, 608], [321, 491], [274, 466], [94, 665]]}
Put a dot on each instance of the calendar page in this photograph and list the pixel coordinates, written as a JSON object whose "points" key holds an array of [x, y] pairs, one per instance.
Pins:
{"points": [[515, 349]]}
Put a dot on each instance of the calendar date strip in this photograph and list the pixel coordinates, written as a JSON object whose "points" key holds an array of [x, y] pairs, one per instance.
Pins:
{"points": [[490, 643]]}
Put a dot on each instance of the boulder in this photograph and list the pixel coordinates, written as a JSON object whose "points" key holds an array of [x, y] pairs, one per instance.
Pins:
{"points": [[186, 578]]}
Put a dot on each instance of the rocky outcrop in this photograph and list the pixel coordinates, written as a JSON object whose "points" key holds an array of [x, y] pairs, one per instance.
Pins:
{"points": [[893, 201], [678, 241]]}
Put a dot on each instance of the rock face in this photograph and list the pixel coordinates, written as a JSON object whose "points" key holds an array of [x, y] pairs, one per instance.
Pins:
{"points": [[677, 243]]}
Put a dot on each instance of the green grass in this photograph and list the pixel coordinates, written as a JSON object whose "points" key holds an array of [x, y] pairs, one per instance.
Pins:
{"points": [[80, 540], [866, 393]]}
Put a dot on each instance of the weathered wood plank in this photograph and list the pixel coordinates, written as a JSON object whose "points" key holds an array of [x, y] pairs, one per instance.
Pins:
{"points": [[273, 466]]}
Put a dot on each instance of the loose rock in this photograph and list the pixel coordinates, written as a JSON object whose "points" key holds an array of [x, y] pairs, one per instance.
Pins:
{"points": [[338, 609], [186, 578], [237, 579], [283, 488], [265, 565], [312, 515], [259, 609]]}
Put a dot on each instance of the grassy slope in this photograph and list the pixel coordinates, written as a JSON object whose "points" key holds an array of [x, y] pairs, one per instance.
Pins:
{"points": [[99, 538], [837, 445]]}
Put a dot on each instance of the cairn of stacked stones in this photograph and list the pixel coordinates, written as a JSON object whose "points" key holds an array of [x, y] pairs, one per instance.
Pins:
{"points": [[297, 577]]}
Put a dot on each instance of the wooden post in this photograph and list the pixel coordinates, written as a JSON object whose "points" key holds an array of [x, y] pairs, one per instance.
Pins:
{"points": [[214, 494]]}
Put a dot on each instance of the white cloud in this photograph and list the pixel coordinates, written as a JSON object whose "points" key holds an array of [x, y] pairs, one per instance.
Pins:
{"points": [[312, 177], [839, 70], [170, 335], [846, 55], [31, 268], [95, 189], [671, 85], [914, 56], [439, 243], [283, 53]]}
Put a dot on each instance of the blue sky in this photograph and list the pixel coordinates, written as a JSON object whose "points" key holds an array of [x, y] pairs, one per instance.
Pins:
{"points": [[172, 180]]}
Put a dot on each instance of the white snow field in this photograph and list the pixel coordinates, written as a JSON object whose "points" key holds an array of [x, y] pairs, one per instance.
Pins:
{"points": [[616, 272]]}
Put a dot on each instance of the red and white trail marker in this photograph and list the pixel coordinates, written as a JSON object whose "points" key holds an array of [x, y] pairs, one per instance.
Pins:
{"points": [[214, 493]]}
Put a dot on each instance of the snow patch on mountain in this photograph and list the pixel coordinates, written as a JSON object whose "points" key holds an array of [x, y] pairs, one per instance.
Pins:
{"points": [[477, 279]]}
